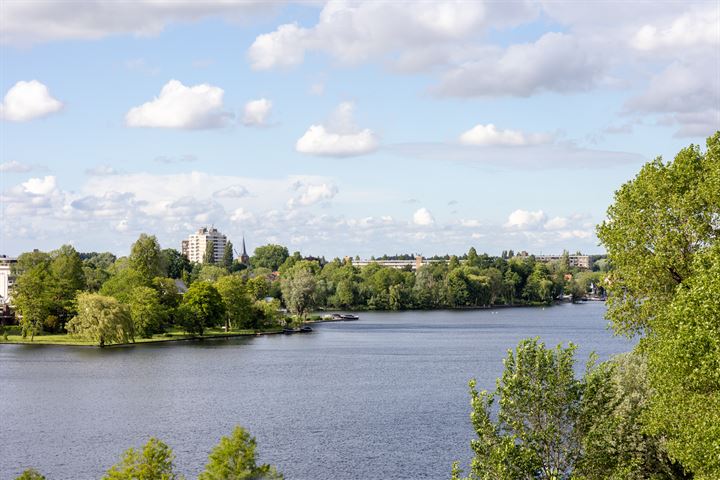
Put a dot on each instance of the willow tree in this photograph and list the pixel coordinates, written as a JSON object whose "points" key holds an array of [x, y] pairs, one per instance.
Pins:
{"points": [[101, 320]]}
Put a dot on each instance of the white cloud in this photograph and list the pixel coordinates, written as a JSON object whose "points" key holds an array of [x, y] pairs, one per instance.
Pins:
{"points": [[233, 191], [178, 106], [489, 135], [524, 219], [556, 223], [470, 223], [340, 138], [44, 20], [285, 47], [40, 186], [313, 194], [27, 101], [423, 217], [256, 112], [555, 62], [690, 30], [14, 166], [688, 94], [355, 31], [241, 215]]}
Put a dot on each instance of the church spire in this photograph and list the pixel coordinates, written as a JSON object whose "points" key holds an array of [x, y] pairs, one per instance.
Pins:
{"points": [[244, 257]]}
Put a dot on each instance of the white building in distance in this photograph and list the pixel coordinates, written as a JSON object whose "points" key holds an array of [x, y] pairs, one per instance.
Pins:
{"points": [[194, 247], [6, 279]]}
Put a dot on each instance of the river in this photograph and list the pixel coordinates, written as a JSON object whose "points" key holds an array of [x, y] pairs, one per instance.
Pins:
{"points": [[384, 397]]}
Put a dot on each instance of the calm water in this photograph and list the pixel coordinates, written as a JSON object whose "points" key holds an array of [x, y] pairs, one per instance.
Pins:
{"points": [[384, 397]]}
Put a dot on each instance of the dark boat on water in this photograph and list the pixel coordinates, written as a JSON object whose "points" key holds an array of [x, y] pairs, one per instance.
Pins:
{"points": [[288, 331], [306, 329], [348, 316]]}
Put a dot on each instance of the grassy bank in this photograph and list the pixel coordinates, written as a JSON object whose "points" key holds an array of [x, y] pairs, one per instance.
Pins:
{"points": [[13, 336]]}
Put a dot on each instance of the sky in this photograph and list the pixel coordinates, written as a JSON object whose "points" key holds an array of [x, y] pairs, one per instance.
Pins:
{"points": [[342, 128]]}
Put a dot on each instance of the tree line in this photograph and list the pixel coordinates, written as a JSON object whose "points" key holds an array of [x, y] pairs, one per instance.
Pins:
{"points": [[105, 299]]}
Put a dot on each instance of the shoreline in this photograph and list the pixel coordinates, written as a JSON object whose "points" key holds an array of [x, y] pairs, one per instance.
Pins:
{"points": [[53, 341]]}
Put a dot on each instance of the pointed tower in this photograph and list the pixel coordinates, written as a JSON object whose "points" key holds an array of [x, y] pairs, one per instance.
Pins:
{"points": [[244, 257]]}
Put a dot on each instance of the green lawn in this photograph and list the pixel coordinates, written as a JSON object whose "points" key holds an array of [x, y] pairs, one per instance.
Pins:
{"points": [[172, 335]]}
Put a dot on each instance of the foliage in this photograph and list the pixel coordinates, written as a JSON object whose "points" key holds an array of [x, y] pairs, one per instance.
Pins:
{"points": [[102, 320], [209, 255], [227, 258], [122, 282], [683, 349], [238, 304], [662, 239], [175, 263], [234, 458], [31, 474], [616, 444], [210, 273], [146, 259], [147, 313], [539, 408], [656, 225], [298, 286], [32, 298], [155, 462], [202, 307], [269, 256]]}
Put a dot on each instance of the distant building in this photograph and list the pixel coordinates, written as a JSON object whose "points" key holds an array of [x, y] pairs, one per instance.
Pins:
{"points": [[415, 264], [244, 257], [6, 279], [196, 244], [579, 261]]}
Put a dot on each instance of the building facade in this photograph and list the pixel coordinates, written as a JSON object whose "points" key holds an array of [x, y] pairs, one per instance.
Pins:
{"points": [[195, 246], [6, 278]]}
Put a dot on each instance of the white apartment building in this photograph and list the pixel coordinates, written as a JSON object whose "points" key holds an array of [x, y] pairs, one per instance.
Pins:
{"points": [[6, 280], [196, 244]]}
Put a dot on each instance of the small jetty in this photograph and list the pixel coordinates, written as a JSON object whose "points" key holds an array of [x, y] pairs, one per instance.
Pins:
{"points": [[337, 317]]}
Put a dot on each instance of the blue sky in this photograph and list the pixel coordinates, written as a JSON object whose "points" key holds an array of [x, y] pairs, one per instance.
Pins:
{"points": [[342, 128]]}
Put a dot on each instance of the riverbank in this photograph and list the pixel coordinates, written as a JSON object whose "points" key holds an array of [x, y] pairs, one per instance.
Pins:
{"points": [[172, 336]]}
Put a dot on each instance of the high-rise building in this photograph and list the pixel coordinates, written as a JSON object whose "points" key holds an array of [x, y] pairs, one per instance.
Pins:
{"points": [[195, 246]]}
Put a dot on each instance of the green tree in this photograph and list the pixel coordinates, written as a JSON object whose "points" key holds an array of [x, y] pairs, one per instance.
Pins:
{"points": [[298, 288], [535, 436], [209, 255], [147, 313], [154, 462], [102, 320], [175, 263], [662, 240], [615, 439], [234, 458], [68, 278], [32, 299], [146, 258], [31, 474], [202, 307], [269, 256], [227, 259], [238, 304], [683, 350], [211, 273], [656, 225]]}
